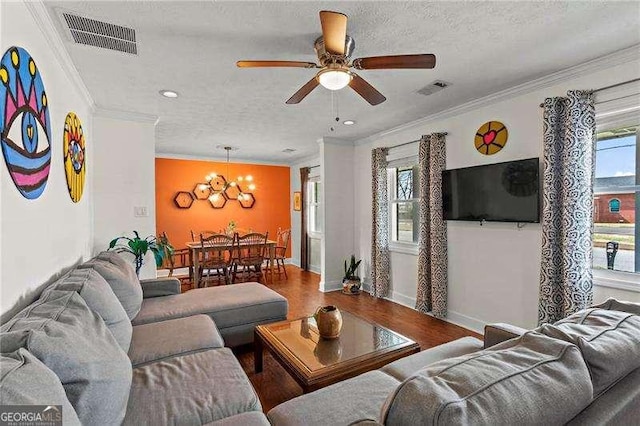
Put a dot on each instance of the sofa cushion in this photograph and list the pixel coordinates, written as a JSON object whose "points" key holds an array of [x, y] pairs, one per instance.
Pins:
{"points": [[251, 418], [159, 340], [192, 389], [530, 380], [408, 366], [609, 342], [122, 278], [618, 305], [24, 380], [619, 405], [100, 298], [73, 341], [228, 305], [343, 403]]}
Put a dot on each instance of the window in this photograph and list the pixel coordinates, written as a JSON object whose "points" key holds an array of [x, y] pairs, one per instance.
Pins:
{"points": [[616, 189], [614, 205], [403, 196], [314, 191]]}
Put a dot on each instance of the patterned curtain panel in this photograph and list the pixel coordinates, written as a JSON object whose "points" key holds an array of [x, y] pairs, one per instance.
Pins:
{"points": [[432, 239], [567, 207], [304, 239], [380, 272]]}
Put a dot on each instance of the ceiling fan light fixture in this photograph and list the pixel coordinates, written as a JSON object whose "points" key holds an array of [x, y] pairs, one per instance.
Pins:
{"points": [[334, 79]]}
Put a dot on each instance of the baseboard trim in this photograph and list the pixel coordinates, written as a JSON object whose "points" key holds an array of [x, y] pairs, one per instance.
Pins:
{"points": [[465, 321], [453, 317], [327, 286]]}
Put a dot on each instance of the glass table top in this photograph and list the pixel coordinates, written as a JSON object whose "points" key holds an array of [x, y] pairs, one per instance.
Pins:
{"points": [[358, 338]]}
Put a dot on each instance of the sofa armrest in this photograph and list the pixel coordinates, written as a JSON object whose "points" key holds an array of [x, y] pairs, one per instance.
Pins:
{"points": [[500, 332], [156, 287]]}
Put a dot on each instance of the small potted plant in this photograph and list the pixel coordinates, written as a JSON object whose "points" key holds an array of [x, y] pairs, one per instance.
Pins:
{"points": [[351, 283], [139, 248]]}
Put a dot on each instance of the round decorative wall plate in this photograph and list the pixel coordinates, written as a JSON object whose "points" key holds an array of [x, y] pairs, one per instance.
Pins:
{"points": [[73, 148], [491, 137], [25, 128]]}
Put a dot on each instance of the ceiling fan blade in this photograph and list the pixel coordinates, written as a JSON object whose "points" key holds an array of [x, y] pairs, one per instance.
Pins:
{"points": [[395, 62], [262, 64], [367, 91], [334, 31], [303, 92]]}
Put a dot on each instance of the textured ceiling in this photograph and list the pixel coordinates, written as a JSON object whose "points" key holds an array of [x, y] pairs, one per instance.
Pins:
{"points": [[192, 47]]}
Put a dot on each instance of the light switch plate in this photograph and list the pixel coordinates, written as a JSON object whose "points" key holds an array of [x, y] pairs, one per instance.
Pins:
{"points": [[140, 211]]}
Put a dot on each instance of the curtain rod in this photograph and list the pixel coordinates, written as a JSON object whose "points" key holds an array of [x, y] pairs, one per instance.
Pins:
{"points": [[610, 87], [409, 143]]}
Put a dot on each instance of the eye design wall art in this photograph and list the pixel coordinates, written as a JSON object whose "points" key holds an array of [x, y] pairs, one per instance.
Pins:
{"points": [[25, 127], [73, 148], [491, 137]]}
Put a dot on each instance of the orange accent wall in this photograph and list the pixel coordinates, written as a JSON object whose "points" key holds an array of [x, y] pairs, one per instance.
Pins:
{"points": [[270, 211]]}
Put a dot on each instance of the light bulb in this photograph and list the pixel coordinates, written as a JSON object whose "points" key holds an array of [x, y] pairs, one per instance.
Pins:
{"points": [[214, 197], [252, 187], [208, 178], [333, 79], [232, 184], [202, 187], [239, 179], [249, 178]]}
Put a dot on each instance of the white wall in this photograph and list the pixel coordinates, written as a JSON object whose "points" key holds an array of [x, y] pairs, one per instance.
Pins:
{"points": [[493, 269], [42, 237], [336, 173], [124, 178]]}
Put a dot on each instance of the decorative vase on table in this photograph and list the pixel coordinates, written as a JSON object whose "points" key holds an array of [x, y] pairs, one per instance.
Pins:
{"points": [[351, 283], [329, 321]]}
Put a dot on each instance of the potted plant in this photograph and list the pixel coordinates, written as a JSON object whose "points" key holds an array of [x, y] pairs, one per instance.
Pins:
{"points": [[351, 283], [139, 248]]}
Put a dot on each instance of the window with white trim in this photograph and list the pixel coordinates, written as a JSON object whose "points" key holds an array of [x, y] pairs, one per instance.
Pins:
{"points": [[314, 203], [403, 203], [616, 253]]}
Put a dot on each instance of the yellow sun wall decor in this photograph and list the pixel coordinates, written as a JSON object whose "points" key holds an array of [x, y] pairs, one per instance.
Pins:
{"points": [[73, 147], [491, 137]]}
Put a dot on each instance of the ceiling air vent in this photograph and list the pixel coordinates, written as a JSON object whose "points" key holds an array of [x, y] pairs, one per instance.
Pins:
{"points": [[434, 87], [101, 34]]}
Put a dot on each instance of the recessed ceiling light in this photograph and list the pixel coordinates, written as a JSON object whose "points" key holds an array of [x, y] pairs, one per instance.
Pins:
{"points": [[348, 122], [169, 93]]}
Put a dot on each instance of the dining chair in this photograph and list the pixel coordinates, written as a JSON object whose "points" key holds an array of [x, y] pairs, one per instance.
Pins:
{"points": [[195, 236], [177, 259], [282, 243], [250, 251], [215, 258]]}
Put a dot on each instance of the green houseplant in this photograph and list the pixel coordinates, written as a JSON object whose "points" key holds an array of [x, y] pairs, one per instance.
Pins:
{"points": [[139, 247], [351, 283]]}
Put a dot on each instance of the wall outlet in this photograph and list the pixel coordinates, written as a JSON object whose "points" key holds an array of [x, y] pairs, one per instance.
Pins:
{"points": [[140, 211]]}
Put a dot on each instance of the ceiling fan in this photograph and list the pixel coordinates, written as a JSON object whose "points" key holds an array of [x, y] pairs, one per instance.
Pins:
{"points": [[334, 48]]}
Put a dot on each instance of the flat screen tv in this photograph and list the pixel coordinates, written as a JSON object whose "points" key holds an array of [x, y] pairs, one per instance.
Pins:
{"points": [[503, 192]]}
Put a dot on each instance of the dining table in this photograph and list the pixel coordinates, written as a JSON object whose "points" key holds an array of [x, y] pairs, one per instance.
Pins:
{"points": [[195, 247]]}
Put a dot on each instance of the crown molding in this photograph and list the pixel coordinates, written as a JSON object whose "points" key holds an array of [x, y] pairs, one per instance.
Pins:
{"points": [[43, 20], [250, 160], [611, 60], [117, 114]]}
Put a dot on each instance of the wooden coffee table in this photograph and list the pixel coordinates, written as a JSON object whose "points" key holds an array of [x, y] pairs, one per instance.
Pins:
{"points": [[315, 362]]}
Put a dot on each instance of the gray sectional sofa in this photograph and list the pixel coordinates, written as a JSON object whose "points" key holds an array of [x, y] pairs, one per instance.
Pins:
{"points": [[583, 370], [113, 350]]}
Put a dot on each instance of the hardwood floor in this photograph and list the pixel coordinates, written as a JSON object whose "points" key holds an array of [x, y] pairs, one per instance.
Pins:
{"points": [[274, 385]]}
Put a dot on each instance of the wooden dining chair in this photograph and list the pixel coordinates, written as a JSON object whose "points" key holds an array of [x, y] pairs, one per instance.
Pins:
{"points": [[179, 258], [195, 236], [215, 258], [282, 243], [250, 251]]}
